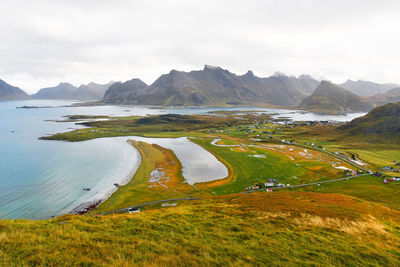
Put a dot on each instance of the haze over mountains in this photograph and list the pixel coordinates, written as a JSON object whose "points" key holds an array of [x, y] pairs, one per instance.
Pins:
{"points": [[67, 91], [366, 88], [217, 86]]}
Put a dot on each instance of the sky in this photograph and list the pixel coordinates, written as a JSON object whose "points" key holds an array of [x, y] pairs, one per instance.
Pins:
{"points": [[44, 42]]}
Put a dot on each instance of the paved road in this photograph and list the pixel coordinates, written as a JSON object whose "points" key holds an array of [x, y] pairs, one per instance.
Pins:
{"points": [[300, 185], [146, 204]]}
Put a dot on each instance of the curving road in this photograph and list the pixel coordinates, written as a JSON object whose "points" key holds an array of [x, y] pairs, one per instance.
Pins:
{"points": [[146, 204]]}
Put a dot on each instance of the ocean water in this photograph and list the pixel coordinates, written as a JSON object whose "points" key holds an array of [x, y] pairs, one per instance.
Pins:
{"points": [[39, 178]]}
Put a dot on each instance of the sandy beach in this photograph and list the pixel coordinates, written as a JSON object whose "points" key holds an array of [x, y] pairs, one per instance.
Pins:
{"points": [[131, 170]]}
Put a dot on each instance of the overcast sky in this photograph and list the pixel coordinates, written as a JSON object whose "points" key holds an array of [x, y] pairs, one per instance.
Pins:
{"points": [[44, 42]]}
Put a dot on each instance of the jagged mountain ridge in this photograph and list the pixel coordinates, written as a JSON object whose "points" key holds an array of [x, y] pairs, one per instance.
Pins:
{"points": [[214, 85], [9, 92]]}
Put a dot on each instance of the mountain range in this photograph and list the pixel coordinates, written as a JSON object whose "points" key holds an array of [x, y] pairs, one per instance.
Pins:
{"points": [[213, 86], [217, 86], [9, 92], [67, 91], [366, 88]]}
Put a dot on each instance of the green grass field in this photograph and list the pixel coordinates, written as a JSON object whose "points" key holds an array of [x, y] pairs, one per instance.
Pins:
{"points": [[370, 188], [248, 170]]}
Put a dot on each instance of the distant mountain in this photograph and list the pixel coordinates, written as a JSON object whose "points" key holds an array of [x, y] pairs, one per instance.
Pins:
{"points": [[213, 86], [330, 98], [383, 120], [390, 96], [304, 83], [61, 91], [122, 93], [67, 91], [9, 92], [98, 89], [366, 88]]}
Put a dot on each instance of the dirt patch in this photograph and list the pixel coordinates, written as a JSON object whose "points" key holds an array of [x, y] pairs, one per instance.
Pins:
{"points": [[240, 149]]}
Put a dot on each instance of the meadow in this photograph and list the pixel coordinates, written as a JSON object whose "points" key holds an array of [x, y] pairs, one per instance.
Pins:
{"points": [[278, 228]]}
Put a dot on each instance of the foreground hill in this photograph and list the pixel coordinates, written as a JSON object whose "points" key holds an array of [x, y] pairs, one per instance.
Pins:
{"points": [[213, 86], [9, 92], [330, 98], [66, 91], [366, 88], [383, 120], [278, 228]]}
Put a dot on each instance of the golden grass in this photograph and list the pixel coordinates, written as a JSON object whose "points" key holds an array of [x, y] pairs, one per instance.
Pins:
{"points": [[279, 229]]}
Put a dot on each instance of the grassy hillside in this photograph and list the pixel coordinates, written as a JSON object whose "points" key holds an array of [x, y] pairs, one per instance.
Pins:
{"points": [[291, 229], [369, 188], [383, 120]]}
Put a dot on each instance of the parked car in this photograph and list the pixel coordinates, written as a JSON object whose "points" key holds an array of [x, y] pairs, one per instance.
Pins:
{"points": [[133, 210]]}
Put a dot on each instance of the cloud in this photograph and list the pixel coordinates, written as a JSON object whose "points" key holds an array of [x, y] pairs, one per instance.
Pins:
{"points": [[44, 42]]}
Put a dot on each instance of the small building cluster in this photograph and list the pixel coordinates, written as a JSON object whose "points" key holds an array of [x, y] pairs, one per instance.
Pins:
{"points": [[267, 185], [392, 179], [307, 123]]}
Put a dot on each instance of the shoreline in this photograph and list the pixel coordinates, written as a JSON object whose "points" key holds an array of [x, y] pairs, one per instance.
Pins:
{"points": [[88, 206]]}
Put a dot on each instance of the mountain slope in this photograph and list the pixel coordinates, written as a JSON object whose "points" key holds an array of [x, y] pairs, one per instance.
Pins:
{"points": [[9, 92], [383, 120], [366, 88], [390, 96], [94, 91], [330, 98], [61, 91], [67, 91], [119, 93], [215, 86]]}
